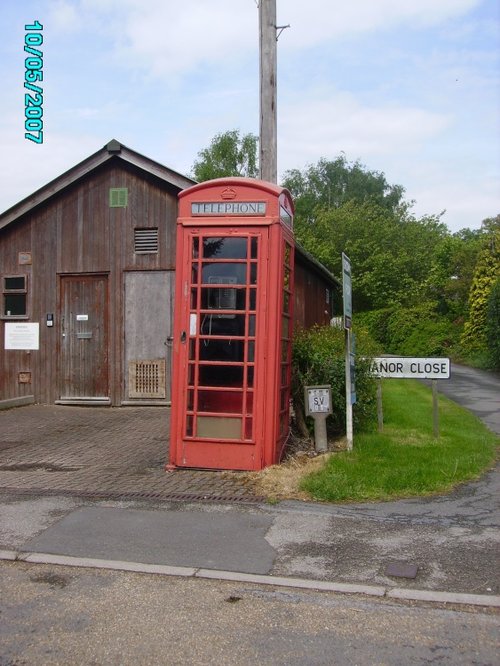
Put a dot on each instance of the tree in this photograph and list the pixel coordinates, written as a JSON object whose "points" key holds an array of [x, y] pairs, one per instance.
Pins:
{"points": [[229, 154], [390, 252], [450, 277], [493, 325], [474, 337], [333, 183]]}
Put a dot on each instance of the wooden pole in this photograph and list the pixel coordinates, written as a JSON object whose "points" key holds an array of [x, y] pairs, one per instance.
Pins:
{"points": [[380, 409], [435, 409], [268, 163]]}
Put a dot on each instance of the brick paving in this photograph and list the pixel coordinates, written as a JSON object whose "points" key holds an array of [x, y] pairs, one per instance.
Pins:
{"points": [[101, 452]]}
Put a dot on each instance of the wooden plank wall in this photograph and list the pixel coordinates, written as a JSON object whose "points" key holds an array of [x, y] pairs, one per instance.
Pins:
{"points": [[311, 306], [77, 232]]}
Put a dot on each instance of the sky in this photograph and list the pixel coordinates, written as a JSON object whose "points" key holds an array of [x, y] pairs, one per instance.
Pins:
{"points": [[409, 88]]}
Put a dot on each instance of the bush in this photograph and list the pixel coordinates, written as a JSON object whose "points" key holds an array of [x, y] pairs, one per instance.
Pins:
{"points": [[493, 326], [416, 331], [319, 358]]}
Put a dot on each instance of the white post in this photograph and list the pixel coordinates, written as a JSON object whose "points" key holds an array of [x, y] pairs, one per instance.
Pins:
{"points": [[348, 397]]}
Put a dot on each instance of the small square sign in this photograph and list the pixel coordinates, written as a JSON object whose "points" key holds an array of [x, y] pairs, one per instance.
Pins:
{"points": [[318, 400]]}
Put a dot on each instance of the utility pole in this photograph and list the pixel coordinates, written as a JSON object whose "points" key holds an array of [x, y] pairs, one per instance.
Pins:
{"points": [[268, 161]]}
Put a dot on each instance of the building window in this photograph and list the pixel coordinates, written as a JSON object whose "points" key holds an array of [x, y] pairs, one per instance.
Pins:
{"points": [[15, 296], [146, 240], [118, 197]]}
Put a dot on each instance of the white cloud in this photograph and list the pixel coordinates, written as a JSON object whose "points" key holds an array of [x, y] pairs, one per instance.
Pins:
{"points": [[64, 17], [322, 124], [166, 38], [318, 20]]}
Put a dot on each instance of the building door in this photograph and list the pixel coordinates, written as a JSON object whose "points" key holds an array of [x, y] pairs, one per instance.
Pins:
{"points": [[148, 336], [83, 319]]}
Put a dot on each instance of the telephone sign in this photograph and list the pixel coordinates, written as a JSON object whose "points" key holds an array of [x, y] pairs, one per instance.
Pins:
{"points": [[318, 400]]}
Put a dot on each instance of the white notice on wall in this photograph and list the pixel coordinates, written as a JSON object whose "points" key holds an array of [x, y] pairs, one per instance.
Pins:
{"points": [[22, 336]]}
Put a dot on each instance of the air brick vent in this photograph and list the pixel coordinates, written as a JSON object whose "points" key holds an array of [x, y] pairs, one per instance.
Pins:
{"points": [[146, 379], [146, 240]]}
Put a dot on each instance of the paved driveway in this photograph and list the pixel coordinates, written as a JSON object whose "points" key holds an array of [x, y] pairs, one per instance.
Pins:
{"points": [[105, 452]]}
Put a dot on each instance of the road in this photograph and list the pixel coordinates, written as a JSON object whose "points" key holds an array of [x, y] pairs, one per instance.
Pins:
{"points": [[55, 616]]}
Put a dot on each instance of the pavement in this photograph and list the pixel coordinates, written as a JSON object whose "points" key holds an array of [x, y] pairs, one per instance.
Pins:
{"points": [[87, 487]]}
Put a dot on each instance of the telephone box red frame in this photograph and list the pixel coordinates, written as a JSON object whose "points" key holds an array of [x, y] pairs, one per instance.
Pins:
{"points": [[232, 344]]}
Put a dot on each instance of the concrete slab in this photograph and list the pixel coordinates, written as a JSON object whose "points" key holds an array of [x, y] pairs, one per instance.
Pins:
{"points": [[229, 541]]}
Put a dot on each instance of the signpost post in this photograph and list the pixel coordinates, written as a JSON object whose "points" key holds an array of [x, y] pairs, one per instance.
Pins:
{"points": [[349, 357], [404, 367], [318, 403]]}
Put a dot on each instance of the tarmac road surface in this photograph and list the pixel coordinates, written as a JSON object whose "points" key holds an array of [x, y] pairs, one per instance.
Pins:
{"points": [[55, 616]]}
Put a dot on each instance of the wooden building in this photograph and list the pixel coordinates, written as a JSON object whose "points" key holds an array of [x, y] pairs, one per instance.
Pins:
{"points": [[87, 268]]}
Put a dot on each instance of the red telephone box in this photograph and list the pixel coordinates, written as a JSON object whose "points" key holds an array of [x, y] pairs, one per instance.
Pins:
{"points": [[232, 325]]}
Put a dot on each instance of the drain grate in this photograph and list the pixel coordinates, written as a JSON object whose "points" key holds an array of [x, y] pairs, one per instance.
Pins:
{"points": [[130, 496], [37, 467]]}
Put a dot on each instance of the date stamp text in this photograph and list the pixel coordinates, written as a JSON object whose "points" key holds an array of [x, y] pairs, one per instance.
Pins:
{"points": [[33, 100]]}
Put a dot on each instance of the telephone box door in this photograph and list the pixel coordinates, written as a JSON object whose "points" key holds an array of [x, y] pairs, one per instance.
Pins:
{"points": [[218, 335]]}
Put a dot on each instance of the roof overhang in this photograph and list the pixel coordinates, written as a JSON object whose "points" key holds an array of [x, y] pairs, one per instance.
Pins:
{"points": [[112, 150]]}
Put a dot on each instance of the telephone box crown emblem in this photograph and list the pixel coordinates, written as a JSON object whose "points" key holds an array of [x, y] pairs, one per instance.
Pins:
{"points": [[228, 193]]}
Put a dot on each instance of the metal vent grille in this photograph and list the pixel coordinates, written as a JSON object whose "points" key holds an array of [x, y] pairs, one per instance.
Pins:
{"points": [[146, 379], [146, 240], [118, 197]]}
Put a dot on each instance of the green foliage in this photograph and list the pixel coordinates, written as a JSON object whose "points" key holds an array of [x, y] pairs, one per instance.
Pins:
{"points": [[390, 252], [319, 358], [405, 459], [229, 154], [474, 338], [451, 272], [333, 183], [493, 325], [414, 331]]}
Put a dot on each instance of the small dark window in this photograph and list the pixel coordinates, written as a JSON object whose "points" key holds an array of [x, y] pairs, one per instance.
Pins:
{"points": [[146, 240], [15, 295]]}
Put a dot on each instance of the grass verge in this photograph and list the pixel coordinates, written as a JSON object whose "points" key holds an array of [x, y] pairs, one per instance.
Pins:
{"points": [[405, 459]]}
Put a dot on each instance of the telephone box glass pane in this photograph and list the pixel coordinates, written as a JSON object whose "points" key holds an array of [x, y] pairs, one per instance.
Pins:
{"points": [[222, 298], [223, 273], [248, 428], [227, 351], [221, 375], [229, 402], [217, 427], [253, 248], [224, 248], [196, 248], [222, 324], [253, 299]]}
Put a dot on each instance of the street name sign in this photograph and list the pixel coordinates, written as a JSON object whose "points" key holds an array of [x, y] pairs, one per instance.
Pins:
{"points": [[404, 367], [347, 290]]}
